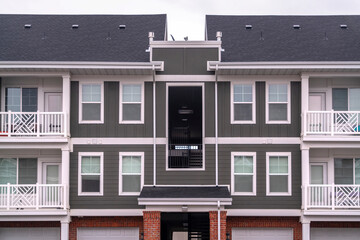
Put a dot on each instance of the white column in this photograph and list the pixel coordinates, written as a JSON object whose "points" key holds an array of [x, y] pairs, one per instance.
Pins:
{"points": [[64, 230], [304, 99], [65, 173], [66, 102], [305, 230], [305, 169]]}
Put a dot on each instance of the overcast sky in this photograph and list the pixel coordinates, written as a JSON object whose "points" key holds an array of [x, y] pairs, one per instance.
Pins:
{"points": [[185, 17]]}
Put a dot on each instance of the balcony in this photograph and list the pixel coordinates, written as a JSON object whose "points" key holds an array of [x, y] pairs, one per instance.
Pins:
{"points": [[33, 196], [32, 124], [333, 123], [332, 197]]}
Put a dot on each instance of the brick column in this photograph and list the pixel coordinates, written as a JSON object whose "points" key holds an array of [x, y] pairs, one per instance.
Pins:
{"points": [[151, 225], [213, 215]]}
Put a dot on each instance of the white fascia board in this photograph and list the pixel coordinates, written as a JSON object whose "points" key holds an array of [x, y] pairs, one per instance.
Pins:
{"points": [[32, 218], [264, 212], [34, 140], [155, 65], [332, 213], [179, 203], [185, 44], [216, 65], [37, 213], [106, 212], [253, 140]]}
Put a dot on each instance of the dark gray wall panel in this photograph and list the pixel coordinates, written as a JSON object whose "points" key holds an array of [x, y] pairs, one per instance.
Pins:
{"points": [[260, 129], [261, 201], [209, 109], [111, 198], [188, 61], [190, 177], [160, 109], [111, 126]]}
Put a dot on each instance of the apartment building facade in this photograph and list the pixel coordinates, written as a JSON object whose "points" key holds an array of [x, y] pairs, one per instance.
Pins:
{"points": [[111, 131]]}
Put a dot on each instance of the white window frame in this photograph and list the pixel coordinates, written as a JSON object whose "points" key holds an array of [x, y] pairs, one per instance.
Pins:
{"points": [[253, 86], [353, 167], [101, 121], [288, 121], [40, 101], [91, 154], [248, 154], [289, 174], [17, 167], [141, 121], [136, 154]]}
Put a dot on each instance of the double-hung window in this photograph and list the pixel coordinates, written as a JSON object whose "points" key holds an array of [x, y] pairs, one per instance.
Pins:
{"points": [[347, 170], [131, 103], [243, 103], [19, 99], [131, 173], [18, 170], [278, 173], [91, 103], [243, 169], [278, 103], [90, 180]]}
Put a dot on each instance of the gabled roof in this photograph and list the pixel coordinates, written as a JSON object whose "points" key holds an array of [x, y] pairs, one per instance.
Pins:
{"points": [[97, 38], [275, 39]]}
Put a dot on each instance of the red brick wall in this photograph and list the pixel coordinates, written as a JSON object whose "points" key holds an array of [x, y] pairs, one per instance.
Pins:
{"points": [[335, 224], [152, 225], [265, 222], [77, 222], [29, 224], [213, 216]]}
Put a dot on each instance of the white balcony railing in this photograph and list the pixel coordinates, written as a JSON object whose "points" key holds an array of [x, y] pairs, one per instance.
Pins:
{"points": [[32, 124], [332, 197], [332, 122], [34, 196]]}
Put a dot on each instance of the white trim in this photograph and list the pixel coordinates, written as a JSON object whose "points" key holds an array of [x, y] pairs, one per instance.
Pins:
{"points": [[202, 85], [101, 121], [288, 120], [264, 212], [289, 174], [233, 192], [38, 87], [185, 44], [105, 212], [86, 154], [253, 103], [185, 78], [142, 103], [137, 154], [178, 202]]}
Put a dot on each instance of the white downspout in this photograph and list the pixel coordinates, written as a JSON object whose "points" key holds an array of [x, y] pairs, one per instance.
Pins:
{"points": [[216, 130], [219, 221], [154, 128]]}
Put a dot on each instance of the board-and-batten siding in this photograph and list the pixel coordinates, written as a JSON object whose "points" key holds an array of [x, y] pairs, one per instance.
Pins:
{"points": [[260, 129], [111, 126], [261, 201], [111, 198]]}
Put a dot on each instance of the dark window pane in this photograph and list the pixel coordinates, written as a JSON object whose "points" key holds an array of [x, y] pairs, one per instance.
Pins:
{"points": [[91, 111], [242, 112], [278, 112], [343, 171], [12, 99], [29, 99], [131, 183], [131, 112], [340, 99], [90, 183], [243, 183], [27, 170], [279, 183]]}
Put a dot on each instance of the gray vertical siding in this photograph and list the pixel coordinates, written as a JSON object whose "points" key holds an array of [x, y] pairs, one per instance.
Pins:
{"points": [[190, 177], [160, 109], [111, 126], [209, 109], [111, 198], [260, 129], [261, 201]]}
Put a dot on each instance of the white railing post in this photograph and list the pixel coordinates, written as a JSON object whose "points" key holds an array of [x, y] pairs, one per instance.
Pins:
{"points": [[8, 197], [9, 123], [333, 196], [38, 123], [37, 196], [332, 126]]}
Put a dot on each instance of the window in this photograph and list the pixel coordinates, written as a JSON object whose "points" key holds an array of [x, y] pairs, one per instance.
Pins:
{"points": [[347, 170], [243, 169], [278, 174], [278, 103], [346, 99], [18, 170], [131, 103], [131, 173], [90, 181], [19, 99], [91, 103], [243, 103]]}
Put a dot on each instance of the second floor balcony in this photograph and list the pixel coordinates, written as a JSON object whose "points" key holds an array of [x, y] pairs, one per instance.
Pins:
{"points": [[32, 124]]}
